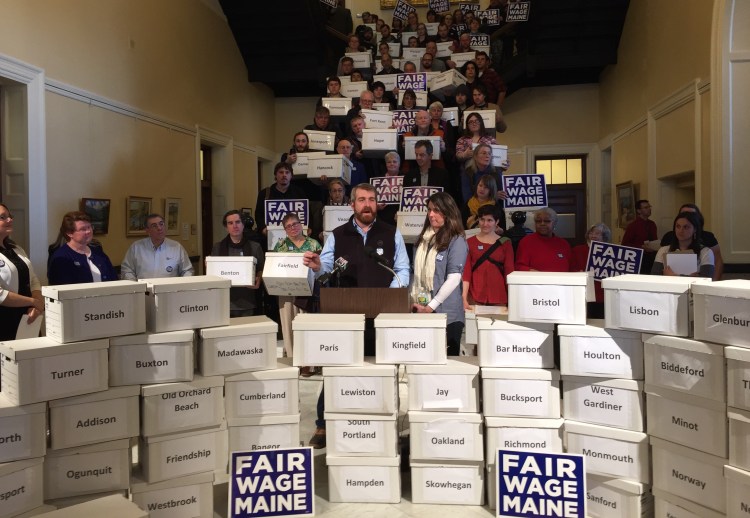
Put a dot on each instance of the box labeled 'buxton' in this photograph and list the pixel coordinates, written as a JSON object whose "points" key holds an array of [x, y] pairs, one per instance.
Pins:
{"points": [[270, 432], [247, 344], [76, 312], [722, 311], [174, 303], [403, 339], [285, 274], [591, 350], [607, 497], [187, 497], [446, 482], [239, 270], [453, 387], [558, 298], [502, 344], [510, 392], [336, 215], [738, 377], [354, 435], [23, 430], [21, 486], [370, 389], [151, 358], [607, 402], [364, 479], [514, 433], [450, 436], [258, 393]]}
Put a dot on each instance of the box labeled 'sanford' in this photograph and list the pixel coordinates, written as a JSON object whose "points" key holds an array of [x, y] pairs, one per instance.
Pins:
{"points": [[151, 358], [667, 505], [453, 387], [258, 393], [402, 338], [184, 497], [33, 370], [607, 497], [558, 298], [447, 482], [591, 350], [370, 389], [178, 407], [354, 435], [722, 311], [511, 392], [76, 312], [174, 303], [21, 486], [336, 215], [364, 479], [270, 432], [739, 438], [239, 270], [738, 377], [328, 339], [23, 430], [442, 435], [247, 344], [738, 492], [99, 417], [514, 433], [604, 401], [502, 344], [285, 274]]}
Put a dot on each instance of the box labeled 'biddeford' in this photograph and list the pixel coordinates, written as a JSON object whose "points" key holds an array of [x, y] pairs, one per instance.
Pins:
{"points": [[23, 430], [168, 408], [270, 432], [443, 435], [33, 370], [76, 312], [722, 311], [258, 393], [453, 387], [514, 433], [405, 338], [510, 392], [328, 339], [174, 303], [558, 298], [191, 496], [502, 344], [355, 435], [21, 485], [738, 377], [247, 344], [607, 497], [285, 274], [370, 389], [446, 482], [239, 270], [591, 350], [364, 479], [604, 401], [336, 215], [151, 358]]}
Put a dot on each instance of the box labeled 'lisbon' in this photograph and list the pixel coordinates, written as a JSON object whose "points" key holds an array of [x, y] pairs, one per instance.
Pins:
{"points": [[258, 393], [175, 303], [355, 435], [446, 436], [247, 344], [502, 344], [21, 486], [722, 311], [369, 389], [404, 339], [328, 339], [151, 358], [592, 350], [23, 430], [608, 402], [191, 496], [364, 479], [453, 387], [516, 392], [558, 298]]}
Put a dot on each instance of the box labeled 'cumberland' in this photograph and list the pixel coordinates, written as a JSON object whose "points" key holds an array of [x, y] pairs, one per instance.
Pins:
{"points": [[592, 350], [174, 303], [722, 311], [23, 430], [558, 298], [247, 344], [151, 358], [258, 393]]}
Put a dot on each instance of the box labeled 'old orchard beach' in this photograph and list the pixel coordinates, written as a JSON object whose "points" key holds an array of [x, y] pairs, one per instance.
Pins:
{"points": [[174, 303]]}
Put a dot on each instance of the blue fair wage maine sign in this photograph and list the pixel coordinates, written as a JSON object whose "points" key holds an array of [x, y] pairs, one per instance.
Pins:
{"points": [[525, 191], [277, 209], [272, 483], [540, 485], [608, 260], [414, 199]]}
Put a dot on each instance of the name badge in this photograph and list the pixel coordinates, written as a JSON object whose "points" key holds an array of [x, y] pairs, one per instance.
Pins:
{"points": [[480, 247], [439, 257]]}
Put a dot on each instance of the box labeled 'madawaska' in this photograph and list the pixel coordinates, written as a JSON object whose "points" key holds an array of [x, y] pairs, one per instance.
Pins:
{"points": [[191, 496], [446, 436], [259, 393], [738, 377], [722, 311], [453, 387], [328, 339], [591, 350], [607, 497], [285, 274], [515, 433], [174, 303], [354, 435], [502, 344], [558, 298], [404, 338], [151, 358], [239, 270], [608, 402], [21, 486], [76, 312], [447, 482], [33, 370], [270, 432], [516, 392], [113, 505], [369, 389], [364, 479], [247, 344], [23, 430]]}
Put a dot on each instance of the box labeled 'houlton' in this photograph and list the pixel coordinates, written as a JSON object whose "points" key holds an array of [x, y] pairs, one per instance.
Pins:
{"points": [[191, 496], [370, 389], [511, 392], [738, 377], [722, 311], [354, 435], [23, 430], [328, 339], [591, 350], [247, 344], [151, 358], [76, 312], [604, 401], [453, 387], [514, 433], [174, 303], [258, 393], [502, 344], [446, 436], [21, 486], [401, 338], [558, 298], [364, 479]]}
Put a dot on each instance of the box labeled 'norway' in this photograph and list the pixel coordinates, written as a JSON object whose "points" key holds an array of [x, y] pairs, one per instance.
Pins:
{"points": [[453, 387], [516, 392], [176, 303], [722, 311], [258, 393], [446, 436], [23, 430], [370, 389], [402, 338], [247, 344], [364, 479], [151, 358], [446, 482], [21, 486], [188, 497], [608, 402], [591, 350], [270, 432], [355, 435], [558, 298], [328, 339], [514, 433], [502, 344]]}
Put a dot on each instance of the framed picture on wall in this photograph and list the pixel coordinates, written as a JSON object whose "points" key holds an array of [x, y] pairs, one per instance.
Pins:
{"points": [[136, 210], [98, 210], [172, 215], [625, 204]]}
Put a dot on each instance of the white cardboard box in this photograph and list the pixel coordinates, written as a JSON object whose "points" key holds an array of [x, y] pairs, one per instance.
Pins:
{"points": [[176, 303], [353, 89], [336, 215], [271, 392], [355, 435], [40, 369], [302, 162], [168, 408], [722, 311], [95, 468], [667, 505], [739, 438], [361, 59], [71, 501], [410, 224], [689, 474], [686, 419], [364, 479], [460, 58], [738, 492], [517, 392], [99, 417], [446, 436], [445, 482], [409, 143], [284, 274], [604, 401], [377, 120], [650, 303], [502, 344], [591, 350], [406, 338], [42, 509], [23, 430], [610, 452], [377, 142], [165, 457], [269, 432], [451, 115], [21, 485], [151, 358], [330, 166], [76, 312], [607, 497], [551, 297], [451, 77], [239, 270], [738, 377], [326, 140], [453, 387], [188, 497], [687, 366], [328, 339], [247, 344], [369, 389], [115, 506], [513, 433]]}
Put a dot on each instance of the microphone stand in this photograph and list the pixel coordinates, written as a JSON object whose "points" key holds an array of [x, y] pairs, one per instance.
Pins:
{"points": [[400, 284]]}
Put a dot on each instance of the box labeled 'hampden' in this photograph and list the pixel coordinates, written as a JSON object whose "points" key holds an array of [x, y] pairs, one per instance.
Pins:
{"points": [[364, 479], [738, 491], [689, 366], [33, 370], [607, 497], [247, 344], [328, 339], [688, 473], [270, 432], [604, 401], [76, 312], [739, 438], [21, 486], [174, 303], [410, 224], [514, 433], [355, 435], [738, 377], [502, 344], [685, 419], [453, 387], [403, 338], [336, 215], [330, 166], [591, 350], [113, 505], [667, 505], [558, 298], [99, 417], [85, 470], [23, 430], [188, 497], [239, 270], [151, 358], [258, 393], [370, 389], [610, 452], [441, 435], [447, 482], [168, 408], [722, 311], [511, 392]]}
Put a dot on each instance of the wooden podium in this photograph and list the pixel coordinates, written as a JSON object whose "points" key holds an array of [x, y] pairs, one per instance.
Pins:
{"points": [[370, 301]]}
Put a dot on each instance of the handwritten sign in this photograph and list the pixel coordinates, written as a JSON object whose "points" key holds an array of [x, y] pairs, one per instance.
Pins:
{"points": [[404, 120], [277, 209], [414, 199], [608, 260], [416, 82], [402, 10], [439, 6], [518, 12], [490, 17], [525, 191], [388, 189]]}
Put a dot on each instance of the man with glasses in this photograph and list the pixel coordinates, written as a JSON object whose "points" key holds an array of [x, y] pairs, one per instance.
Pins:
{"points": [[155, 255], [641, 233]]}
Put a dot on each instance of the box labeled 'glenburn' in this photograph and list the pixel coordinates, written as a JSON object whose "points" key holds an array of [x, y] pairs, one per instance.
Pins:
{"points": [[151, 358], [247, 344], [259, 393], [453, 387], [592, 350], [23, 430], [174, 303], [405, 339], [722, 311], [191, 496]]}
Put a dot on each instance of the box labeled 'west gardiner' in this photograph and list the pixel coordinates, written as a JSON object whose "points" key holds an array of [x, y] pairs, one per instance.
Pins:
{"points": [[738, 377], [185, 497], [76, 312], [175, 303], [453, 387], [151, 358], [608, 402], [364, 479], [258, 393], [354, 435], [336, 215], [328, 339], [502, 344], [247, 344], [404, 339], [591, 350], [446, 482], [285, 274], [239, 270], [516, 392], [722, 311], [558, 298], [270, 432], [23, 430], [443, 435], [370, 389], [21, 486], [514, 433], [607, 497]]}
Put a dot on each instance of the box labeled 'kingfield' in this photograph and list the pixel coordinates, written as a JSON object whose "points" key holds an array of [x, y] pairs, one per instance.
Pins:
{"points": [[21, 485], [247, 344], [23, 430], [175, 303], [370, 389], [558, 298], [722, 311], [364, 479], [502, 344], [151, 358], [591, 350], [259, 393], [354, 435], [446, 436], [510, 392], [404, 339], [191, 496], [453, 387], [604, 401]]}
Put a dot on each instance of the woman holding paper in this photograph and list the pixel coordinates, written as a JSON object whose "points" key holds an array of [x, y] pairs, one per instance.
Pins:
{"points": [[688, 241]]}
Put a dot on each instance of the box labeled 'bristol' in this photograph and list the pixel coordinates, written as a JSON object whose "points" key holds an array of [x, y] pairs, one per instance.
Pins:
{"points": [[738, 377], [607, 497], [23, 430], [442, 435], [370, 389], [446, 482], [511, 392], [175, 303], [502, 344], [239, 270], [247, 344], [151, 358], [453, 387], [328, 339], [76, 312], [285, 274], [188, 497], [558, 298], [404, 339], [607, 402], [336, 215], [514, 433], [270, 432], [258, 393], [33, 370], [722, 311], [21, 486], [364, 479], [355, 435], [591, 350]]}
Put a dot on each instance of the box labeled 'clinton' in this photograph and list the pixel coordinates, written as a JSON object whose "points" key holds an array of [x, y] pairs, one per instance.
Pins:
{"points": [[175, 303]]}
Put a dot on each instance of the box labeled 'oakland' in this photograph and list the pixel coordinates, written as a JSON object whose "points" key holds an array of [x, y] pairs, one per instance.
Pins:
{"points": [[558, 298], [151, 358], [175, 303], [453, 387], [446, 436], [247, 344]]}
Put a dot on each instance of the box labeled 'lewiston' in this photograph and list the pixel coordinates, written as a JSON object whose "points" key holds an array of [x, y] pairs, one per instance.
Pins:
{"points": [[247, 344], [369, 389], [722, 311], [151, 358], [558, 298], [591, 350], [174, 303], [24, 430], [404, 339]]}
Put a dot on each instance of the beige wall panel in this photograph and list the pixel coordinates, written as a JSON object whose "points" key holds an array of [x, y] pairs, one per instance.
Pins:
{"points": [[245, 179], [292, 115], [675, 141], [703, 190]]}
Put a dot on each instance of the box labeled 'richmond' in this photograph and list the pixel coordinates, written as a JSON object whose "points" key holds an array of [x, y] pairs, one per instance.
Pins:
{"points": [[174, 303]]}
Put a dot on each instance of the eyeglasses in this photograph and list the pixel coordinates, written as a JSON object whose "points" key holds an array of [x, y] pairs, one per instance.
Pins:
{"points": [[6, 217], [290, 226]]}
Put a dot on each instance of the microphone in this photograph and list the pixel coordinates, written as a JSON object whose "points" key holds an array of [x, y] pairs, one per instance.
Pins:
{"points": [[382, 262], [339, 266]]}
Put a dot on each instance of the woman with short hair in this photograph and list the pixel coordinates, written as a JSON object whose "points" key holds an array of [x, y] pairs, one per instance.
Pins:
{"points": [[79, 260]]}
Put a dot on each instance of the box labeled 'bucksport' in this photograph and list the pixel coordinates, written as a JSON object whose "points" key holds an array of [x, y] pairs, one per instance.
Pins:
{"points": [[191, 496], [175, 303], [607, 402], [259, 393], [722, 311], [23, 432], [453, 387], [591, 350], [328, 339], [370, 389], [151, 358], [21, 485], [558, 298], [247, 344], [404, 339], [510, 392], [502, 344]]}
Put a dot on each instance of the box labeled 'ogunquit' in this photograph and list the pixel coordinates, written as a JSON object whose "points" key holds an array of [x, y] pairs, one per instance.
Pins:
{"points": [[247, 344], [453, 387], [259, 393], [151, 358], [23, 432], [370, 389], [175, 303]]}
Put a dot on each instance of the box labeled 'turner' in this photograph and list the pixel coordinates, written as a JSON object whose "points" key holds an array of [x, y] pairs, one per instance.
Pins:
{"points": [[450, 436], [511, 392], [258, 393], [336, 215], [151, 358], [239, 270], [40, 369], [21, 486], [607, 497], [558, 298], [738, 377], [76, 312], [328, 339], [270, 432], [370, 389], [502, 344], [453, 387], [608, 402], [364, 479], [403, 338], [175, 303], [191, 496], [285, 274], [23, 430], [514, 433], [447, 482], [247, 344], [591, 350], [354, 435], [722, 311]]}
